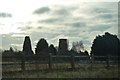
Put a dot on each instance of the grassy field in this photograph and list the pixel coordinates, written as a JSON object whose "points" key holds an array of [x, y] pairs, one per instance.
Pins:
{"points": [[60, 71]]}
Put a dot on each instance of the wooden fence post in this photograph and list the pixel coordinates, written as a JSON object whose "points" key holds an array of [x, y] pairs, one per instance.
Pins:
{"points": [[36, 58], [50, 61], [107, 61], [72, 61], [23, 63], [92, 61]]}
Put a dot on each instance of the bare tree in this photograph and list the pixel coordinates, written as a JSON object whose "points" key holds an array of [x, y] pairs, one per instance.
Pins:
{"points": [[77, 46]]}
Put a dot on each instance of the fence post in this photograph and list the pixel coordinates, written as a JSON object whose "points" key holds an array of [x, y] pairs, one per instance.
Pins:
{"points": [[23, 63], [92, 61], [107, 61], [72, 61], [50, 61], [36, 58]]}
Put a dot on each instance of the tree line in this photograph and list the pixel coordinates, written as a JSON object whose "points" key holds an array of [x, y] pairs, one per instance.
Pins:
{"points": [[107, 44]]}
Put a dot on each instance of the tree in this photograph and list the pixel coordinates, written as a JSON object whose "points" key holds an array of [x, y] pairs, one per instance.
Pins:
{"points": [[11, 53], [86, 53], [107, 44], [41, 47], [52, 49], [27, 48], [11, 49], [77, 46]]}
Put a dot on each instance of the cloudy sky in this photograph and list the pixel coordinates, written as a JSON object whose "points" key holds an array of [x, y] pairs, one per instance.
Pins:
{"points": [[74, 20]]}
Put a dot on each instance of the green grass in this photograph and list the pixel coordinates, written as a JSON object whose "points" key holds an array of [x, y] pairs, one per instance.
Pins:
{"points": [[63, 74], [61, 71]]}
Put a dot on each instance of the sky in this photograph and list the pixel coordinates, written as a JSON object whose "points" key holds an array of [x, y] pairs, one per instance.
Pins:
{"points": [[75, 20]]}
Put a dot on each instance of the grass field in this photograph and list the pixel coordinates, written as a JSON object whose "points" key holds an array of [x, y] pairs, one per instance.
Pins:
{"points": [[61, 71]]}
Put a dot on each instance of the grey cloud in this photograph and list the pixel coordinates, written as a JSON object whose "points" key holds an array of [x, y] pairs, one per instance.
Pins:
{"points": [[51, 20], [104, 11], [76, 24], [62, 11], [100, 27], [5, 15], [42, 10], [39, 27], [58, 15], [73, 33], [105, 7], [25, 28], [106, 16], [71, 30], [101, 10]]}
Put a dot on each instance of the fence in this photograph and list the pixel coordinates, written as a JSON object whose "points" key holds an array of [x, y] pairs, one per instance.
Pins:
{"points": [[53, 59]]}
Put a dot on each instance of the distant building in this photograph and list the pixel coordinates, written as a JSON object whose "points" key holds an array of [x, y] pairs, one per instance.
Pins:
{"points": [[63, 46]]}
